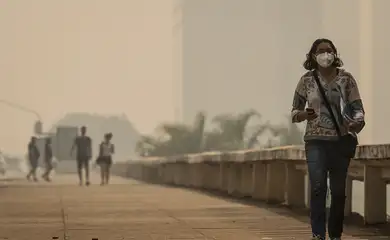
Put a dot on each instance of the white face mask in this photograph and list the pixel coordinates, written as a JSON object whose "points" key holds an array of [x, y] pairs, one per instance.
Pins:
{"points": [[325, 59]]}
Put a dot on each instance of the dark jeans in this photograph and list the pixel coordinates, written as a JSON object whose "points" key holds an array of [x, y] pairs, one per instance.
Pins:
{"points": [[83, 162], [323, 158], [33, 168], [33, 163], [48, 167]]}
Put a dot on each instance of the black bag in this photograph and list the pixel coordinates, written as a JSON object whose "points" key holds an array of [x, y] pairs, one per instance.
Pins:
{"points": [[348, 142], [99, 159]]}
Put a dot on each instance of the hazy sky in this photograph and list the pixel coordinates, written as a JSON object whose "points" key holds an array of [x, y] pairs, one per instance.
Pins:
{"points": [[92, 55]]}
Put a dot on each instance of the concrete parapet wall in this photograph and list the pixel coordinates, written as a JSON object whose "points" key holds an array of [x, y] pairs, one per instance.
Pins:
{"points": [[275, 175]]}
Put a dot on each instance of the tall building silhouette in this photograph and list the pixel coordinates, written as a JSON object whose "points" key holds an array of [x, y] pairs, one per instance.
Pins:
{"points": [[360, 30], [231, 55], [234, 55]]}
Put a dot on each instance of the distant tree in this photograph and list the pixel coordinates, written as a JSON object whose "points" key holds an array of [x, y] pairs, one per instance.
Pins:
{"points": [[176, 139], [289, 134], [231, 132]]}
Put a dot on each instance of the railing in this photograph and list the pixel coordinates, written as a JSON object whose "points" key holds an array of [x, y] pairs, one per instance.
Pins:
{"points": [[274, 175]]}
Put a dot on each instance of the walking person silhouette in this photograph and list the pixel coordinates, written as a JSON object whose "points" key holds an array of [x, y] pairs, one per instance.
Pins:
{"points": [[104, 160], [83, 145], [33, 158], [48, 160]]}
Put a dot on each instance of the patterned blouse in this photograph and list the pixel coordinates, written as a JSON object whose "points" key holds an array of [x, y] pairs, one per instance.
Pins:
{"points": [[341, 92]]}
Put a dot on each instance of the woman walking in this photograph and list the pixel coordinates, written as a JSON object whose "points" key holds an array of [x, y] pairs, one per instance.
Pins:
{"points": [[334, 116], [106, 150]]}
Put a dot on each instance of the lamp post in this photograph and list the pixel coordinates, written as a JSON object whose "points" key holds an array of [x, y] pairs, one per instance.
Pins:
{"points": [[38, 124]]}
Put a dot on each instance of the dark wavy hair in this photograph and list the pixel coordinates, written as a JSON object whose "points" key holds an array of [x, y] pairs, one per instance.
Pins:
{"points": [[311, 64], [108, 135]]}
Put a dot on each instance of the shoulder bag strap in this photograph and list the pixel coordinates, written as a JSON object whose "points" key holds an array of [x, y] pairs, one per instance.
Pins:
{"points": [[326, 102]]}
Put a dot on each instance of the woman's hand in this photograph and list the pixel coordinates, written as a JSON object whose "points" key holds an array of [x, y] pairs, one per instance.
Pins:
{"points": [[305, 115], [353, 126], [310, 116]]}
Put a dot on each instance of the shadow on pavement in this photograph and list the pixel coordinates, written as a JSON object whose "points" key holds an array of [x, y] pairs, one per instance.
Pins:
{"points": [[354, 224]]}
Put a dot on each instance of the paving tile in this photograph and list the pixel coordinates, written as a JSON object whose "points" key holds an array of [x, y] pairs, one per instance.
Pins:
{"points": [[128, 209]]}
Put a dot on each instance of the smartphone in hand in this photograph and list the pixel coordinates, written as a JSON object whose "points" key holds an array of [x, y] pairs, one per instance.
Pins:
{"points": [[310, 111]]}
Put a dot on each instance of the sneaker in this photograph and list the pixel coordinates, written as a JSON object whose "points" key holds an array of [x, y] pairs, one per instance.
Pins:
{"points": [[87, 183], [317, 238]]}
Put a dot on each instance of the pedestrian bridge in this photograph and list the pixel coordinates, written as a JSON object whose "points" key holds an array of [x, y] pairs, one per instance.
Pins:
{"points": [[228, 196]]}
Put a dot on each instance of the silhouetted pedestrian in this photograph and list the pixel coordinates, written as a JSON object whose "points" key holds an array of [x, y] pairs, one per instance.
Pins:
{"points": [[106, 150], [48, 160], [83, 145], [33, 157]]}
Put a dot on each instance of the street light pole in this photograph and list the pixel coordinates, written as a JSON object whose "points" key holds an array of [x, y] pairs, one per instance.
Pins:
{"points": [[38, 124], [20, 107]]}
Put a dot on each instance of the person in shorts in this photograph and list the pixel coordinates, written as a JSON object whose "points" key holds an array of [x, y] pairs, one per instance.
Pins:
{"points": [[106, 150], [83, 145]]}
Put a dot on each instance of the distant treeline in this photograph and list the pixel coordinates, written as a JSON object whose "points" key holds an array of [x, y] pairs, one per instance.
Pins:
{"points": [[229, 132]]}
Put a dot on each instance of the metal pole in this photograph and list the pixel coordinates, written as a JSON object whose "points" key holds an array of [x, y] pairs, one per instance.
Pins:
{"points": [[20, 107]]}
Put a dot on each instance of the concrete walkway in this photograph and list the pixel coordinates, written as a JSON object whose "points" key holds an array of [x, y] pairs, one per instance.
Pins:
{"points": [[128, 209]]}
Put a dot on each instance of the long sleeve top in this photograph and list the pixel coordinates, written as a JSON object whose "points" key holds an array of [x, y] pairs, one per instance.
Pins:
{"points": [[342, 93]]}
